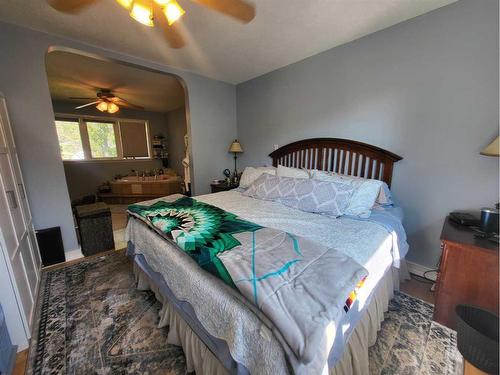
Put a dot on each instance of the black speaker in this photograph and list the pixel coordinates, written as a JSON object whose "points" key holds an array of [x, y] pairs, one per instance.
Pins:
{"points": [[51, 246]]}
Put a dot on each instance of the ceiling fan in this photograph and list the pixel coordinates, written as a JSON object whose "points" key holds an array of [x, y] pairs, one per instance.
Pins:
{"points": [[164, 12], [107, 102]]}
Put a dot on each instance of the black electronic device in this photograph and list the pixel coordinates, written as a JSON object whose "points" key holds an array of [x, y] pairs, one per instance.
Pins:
{"points": [[51, 246], [464, 218]]}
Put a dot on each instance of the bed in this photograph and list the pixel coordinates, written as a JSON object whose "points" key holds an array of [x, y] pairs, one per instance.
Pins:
{"points": [[221, 331]]}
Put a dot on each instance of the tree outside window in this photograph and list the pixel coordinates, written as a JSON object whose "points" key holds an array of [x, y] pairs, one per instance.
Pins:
{"points": [[102, 139], [70, 142]]}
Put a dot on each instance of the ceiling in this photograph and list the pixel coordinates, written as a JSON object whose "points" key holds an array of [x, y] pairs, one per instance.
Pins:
{"points": [[72, 75], [283, 31]]}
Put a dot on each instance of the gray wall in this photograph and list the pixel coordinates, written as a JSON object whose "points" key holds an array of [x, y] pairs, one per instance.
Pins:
{"points": [[426, 89], [23, 81], [176, 130]]}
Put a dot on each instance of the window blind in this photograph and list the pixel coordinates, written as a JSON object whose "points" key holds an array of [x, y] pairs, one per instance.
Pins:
{"points": [[134, 139]]}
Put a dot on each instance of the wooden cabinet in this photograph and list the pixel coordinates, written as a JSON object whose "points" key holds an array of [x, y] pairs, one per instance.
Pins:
{"points": [[468, 273]]}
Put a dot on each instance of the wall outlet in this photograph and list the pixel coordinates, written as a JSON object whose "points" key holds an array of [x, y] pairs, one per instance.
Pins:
{"points": [[275, 147]]}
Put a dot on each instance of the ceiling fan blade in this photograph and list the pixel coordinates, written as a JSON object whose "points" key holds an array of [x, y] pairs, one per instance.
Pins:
{"points": [[70, 6], [123, 103], [239, 9], [173, 36], [88, 104], [172, 33]]}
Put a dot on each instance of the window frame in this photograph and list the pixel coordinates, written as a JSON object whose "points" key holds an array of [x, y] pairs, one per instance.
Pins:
{"points": [[84, 136], [71, 119]]}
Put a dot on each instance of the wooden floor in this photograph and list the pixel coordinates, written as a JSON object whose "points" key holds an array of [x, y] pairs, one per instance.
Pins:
{"points": [[418, 289], [20, 366]]}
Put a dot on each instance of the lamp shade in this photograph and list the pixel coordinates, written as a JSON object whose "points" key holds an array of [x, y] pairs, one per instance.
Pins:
{"points": [[493, 149], [102, 106], [235, 147]]}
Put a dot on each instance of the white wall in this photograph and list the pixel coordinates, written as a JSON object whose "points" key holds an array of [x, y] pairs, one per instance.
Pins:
{"points": [[23, 81], [426, 89]]}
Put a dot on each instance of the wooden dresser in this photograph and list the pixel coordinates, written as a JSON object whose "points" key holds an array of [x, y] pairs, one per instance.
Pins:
{"points": [[468, 273]]}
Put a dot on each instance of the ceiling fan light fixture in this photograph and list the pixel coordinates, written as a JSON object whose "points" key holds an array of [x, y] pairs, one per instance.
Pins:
{"points": [[173, 11], [142, 11], [125, 3], [161, 3], [102, 106], [113, 108]]}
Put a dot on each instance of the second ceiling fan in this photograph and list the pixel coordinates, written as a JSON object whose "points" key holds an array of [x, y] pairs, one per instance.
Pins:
{"points": [[106, 101], [164, 12]]}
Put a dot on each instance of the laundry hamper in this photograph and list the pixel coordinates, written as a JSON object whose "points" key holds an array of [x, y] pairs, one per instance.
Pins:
{"points": [[95, 228]]}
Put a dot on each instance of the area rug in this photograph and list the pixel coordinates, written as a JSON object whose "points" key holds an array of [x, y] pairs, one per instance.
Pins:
{"points": [[91, 320], [409, 342]]}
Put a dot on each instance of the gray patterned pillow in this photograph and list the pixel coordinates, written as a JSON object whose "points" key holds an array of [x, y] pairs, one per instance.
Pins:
{"points": [[325, 197]]}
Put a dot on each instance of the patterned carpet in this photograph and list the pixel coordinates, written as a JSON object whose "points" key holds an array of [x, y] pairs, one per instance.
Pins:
{"points": [[409, 342], [92, 320]]}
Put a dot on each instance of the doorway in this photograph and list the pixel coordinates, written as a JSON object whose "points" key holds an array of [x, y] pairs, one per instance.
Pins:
{"points": [[122, 133]]}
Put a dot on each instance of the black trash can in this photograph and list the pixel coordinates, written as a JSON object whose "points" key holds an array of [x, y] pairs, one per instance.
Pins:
{"points": [[477, 337]]}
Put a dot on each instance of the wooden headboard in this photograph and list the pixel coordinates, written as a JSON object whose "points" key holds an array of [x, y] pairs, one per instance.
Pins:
{"points": [[338, 155]]}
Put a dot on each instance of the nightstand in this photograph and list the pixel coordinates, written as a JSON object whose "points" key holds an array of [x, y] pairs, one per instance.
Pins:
{"points": [[468, 273], [224, 186]]}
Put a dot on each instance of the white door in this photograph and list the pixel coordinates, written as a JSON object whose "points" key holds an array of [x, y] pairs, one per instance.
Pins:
{"points": [[16, 223]]}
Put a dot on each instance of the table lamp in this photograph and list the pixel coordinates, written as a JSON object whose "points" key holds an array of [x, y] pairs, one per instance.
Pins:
{"points": [[493, 149], [236, 149], [490, 216]]}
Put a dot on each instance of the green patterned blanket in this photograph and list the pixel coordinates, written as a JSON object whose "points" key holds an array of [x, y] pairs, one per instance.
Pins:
{"points": [[201, 230]]}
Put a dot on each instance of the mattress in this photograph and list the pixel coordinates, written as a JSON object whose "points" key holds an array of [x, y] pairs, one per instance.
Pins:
{"points": [[376, 243]]}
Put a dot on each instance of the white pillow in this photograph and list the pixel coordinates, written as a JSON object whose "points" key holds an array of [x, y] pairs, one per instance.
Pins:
{"points": [[250, 174], [292, 172], [366, 192]]}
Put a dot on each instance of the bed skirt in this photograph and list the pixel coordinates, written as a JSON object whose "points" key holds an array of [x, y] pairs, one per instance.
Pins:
{"points": [[200, 359]]}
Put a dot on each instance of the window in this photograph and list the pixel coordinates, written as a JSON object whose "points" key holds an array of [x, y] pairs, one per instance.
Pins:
{"points": [[70, 142], [82, 138], [102, 140]]}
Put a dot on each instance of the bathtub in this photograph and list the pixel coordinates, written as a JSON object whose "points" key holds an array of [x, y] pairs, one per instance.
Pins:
{"points": [[133, 189]]}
